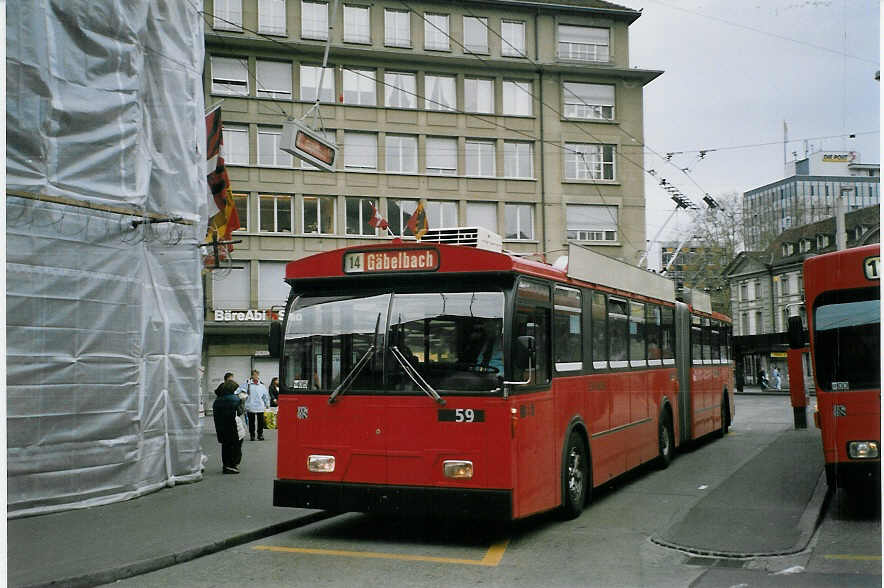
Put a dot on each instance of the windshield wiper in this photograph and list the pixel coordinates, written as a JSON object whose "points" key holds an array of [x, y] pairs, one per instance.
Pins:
{"points": [[363, 361], [415, 376]]}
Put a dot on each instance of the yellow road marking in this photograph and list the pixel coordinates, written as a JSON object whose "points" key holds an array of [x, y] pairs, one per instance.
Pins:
{"points": [[854, 557], [492, 556]]}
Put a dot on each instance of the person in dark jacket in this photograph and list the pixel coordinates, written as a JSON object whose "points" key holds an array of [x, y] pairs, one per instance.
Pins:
{"points": [[225, 410], [273, 390]]}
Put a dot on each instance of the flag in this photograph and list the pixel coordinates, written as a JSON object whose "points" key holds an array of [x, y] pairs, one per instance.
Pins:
{"points": [[223, 218], [376, 220], [418, 224]]}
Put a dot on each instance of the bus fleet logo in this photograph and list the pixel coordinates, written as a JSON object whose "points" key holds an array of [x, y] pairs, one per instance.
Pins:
{"points": [[870, 266], [411, 260]]}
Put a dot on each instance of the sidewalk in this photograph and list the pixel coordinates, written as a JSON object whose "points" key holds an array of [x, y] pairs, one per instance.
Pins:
{"points": [[102, 544]]}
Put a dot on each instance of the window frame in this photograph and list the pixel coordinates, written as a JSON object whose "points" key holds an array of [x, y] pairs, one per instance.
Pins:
{"points": [[388, 42], [437, 170], [227, 138], [320, 198], [221, 85], [361, 40], [437, 102], [316, 74], [584, 233], [516, 157], [360, 76], [276, 198], [225, 18], [473, 94], [275, 93], [321, 33], [587, 110], [392, 88], [516, 85], [507, 47], [364, 215], [482, 24], [267, 28], [518, 207], [581, 46], [403, 139], [577, 166], [276, 151], [475, 153], [241, 202], [432, 33], [349, 163]]}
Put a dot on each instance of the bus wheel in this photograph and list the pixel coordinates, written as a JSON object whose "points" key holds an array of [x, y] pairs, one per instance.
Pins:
{"points": [[575, 477], [666, 439]]}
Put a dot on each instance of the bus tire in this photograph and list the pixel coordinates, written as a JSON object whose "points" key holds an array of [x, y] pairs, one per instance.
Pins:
{"points": [[575, 477], [665, 440]]}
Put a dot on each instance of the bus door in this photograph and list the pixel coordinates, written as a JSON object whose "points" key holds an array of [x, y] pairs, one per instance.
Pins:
{"points": [[536, 439], [683, 367]]}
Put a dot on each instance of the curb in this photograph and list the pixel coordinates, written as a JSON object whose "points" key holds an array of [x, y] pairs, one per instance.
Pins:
{"points": [[153, 564]]}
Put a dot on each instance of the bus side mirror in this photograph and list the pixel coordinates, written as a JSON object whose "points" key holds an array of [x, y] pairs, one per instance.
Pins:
{"points": [[274, 344], [796, 333]]}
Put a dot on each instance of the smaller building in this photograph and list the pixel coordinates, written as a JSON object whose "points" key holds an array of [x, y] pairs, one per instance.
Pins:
{"points": [[766, 287]]}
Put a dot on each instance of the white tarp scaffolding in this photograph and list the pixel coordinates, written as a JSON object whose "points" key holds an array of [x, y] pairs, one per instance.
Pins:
{"points": [[105, 143]]}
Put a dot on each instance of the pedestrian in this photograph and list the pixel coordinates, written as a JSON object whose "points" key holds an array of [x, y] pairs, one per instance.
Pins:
{"points": [[225, 409], [227, 376], [273, 390], [777, 380], [257, 401], [762, 379]]}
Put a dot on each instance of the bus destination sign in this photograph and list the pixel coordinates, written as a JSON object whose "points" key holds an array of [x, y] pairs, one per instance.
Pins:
{"points": [[408, 260], [870, 266]]}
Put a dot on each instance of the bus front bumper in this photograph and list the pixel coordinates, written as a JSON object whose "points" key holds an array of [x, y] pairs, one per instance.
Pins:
{"points": [[418, 501]]}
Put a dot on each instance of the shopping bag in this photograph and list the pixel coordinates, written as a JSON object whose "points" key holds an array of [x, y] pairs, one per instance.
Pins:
{"points": [[241, 430], [270, 419]]}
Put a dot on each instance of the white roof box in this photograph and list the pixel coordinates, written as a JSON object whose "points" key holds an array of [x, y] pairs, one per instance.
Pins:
{"points": [[589, 266], [478, 237]]}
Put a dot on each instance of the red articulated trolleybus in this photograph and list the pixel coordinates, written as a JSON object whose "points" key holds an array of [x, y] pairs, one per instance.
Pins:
{"points": [[842, 293], [449, 378]]}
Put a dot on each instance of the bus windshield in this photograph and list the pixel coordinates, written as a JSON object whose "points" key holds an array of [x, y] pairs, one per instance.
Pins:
{"points": [[847, 329], [453, 340]]}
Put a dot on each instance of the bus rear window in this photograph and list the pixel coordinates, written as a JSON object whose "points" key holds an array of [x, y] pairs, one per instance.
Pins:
{"points": [[846, 332]]}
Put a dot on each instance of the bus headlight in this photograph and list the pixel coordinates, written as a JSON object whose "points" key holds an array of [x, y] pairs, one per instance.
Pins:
{"points": [[862, 449], [457, 468], [321, 463]]}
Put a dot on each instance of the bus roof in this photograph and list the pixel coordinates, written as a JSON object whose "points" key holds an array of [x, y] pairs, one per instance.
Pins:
{"points": [[847, 269]]}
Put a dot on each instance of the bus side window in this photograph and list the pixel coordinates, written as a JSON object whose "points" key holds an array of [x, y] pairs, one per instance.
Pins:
{"points": [[599, 332], [568, 329], [534, 320], [652, 333], [707, 336], [667, 335], [716, 342], [618, 333], [637, 350], [696, 341]]}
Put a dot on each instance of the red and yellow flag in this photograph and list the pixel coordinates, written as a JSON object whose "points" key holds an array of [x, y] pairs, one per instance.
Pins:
{"points": [[223, 218], [418, 224]]}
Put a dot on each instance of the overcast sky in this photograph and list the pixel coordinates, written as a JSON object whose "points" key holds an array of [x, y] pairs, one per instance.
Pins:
{"points": [[734, 71]]}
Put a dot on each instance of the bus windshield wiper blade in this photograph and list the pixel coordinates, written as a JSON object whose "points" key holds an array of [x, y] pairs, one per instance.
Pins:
{"points": [[363, 361], [415, 376]]}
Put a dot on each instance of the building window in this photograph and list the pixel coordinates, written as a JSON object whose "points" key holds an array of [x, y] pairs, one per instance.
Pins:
{"points": [[587, 161], [512, 35], [328, 135], [589, 101], [231, 289], [442, 156], [319, 215], [475, 34], [275, 213], [357, 24], [271, 17], [517, 98], [519, 221], [360, 150], [480, 158], [360, 87], [269, 153], [400, 90], [230, 76], [440, 93], [478, 95], [398, 213], [784, 285], [314, 20], [591, 222], [441, 213], [518, 159], [397, 28], [358, 213], [235, 145], [241, 202], [273, 79], [759, 323], [310, 75], [482, 214], [272, 287], [822, 241], [744, 292], [401, 153], [228, 15], [584, 43], [436, 32]]}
